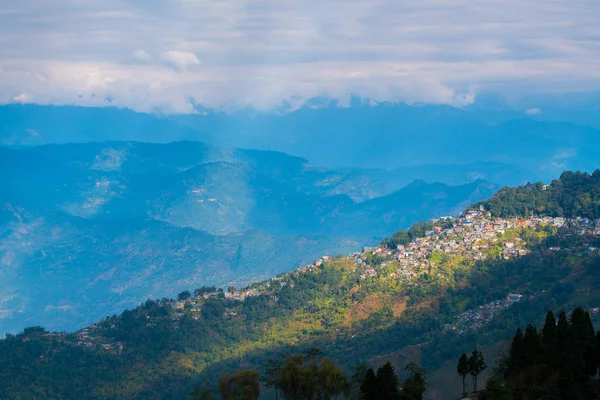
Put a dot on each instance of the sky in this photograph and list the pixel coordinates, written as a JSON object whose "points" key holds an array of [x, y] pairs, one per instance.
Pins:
{"points": [[168, 55]]}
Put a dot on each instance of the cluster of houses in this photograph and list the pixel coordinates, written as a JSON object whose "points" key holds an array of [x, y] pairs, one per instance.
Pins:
{"points": [[481, 316], [472, 235], [87, 337]]}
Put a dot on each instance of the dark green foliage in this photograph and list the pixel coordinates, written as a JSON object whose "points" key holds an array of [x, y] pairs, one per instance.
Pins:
{"points": [[404, 237], [205, 394], [357, 380], [369, 389], [386, 385], [559, 362], [387, 382], [415, 385], [242, 386], [575, 194], [463, 369], [495, 390], [184, 295], [303, 377], [271, 369], [476, 365]]}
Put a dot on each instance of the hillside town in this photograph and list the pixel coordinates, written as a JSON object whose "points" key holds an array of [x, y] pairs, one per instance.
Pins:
{"points": [[479, 317], [474, 235]]}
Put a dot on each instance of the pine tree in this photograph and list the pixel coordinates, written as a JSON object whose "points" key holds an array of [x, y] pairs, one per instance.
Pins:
{"points": [[357, 380], [532, 361], [463, 369], [597, 353], [369, 389], [414, 386], [565, 353], [476, 366], [495, 391], [549, 341], [387, 382], [559, 364]]}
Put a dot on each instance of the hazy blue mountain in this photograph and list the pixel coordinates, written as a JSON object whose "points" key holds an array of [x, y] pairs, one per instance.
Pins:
{"points": [[89, 229], [420, 201], [64, 271], [580, 108], [36, 125], [431, 142], [397, 135]]}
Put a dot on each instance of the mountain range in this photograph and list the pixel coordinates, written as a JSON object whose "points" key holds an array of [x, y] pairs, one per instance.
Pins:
{"points": [[89, 229], [429, 142]]}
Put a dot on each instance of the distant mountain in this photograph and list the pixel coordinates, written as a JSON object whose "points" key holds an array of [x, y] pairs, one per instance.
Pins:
{"points": [[420, 201], [398, 135], [102, 226], [431, 142], [30, 125]]}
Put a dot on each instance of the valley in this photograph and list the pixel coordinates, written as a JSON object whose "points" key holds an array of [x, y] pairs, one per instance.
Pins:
{"points": [[88, 230]]}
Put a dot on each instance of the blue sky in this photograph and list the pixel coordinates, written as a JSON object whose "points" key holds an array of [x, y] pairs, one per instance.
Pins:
{"points": [[149, 54]]}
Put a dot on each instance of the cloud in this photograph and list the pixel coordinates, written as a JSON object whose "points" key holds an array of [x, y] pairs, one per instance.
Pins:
{"points": [[533, 111], [159, 54], [180, 59], [141, 55], [22, 98]]}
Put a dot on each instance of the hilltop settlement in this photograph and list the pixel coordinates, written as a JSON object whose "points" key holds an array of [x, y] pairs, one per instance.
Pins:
{"points": [[445, 241]]}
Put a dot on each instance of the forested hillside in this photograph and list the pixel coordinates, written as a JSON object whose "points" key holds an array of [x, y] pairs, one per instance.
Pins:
{"points": [[575, 194]]}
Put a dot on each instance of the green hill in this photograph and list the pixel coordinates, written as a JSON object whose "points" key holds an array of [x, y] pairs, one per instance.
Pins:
{"points": [[575, 194]]}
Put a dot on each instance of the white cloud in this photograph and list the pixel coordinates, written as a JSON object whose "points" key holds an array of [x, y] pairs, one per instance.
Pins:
{"points": [[141, 55], [22, 98], [180, 59], [159, 54], [533, 111]]}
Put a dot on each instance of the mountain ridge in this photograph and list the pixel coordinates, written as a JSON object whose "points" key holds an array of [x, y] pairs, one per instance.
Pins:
{"points": [[407, 136], [67, 196]]}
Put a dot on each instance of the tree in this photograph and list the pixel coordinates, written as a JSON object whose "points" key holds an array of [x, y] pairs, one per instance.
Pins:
{"points": [[357, 380], [184, 295], [463, 369], [495, 391], [269, 376], [242, 386], [288, 377], [369, 389], [331, 381], [387, 382], [476, 366], [314, 353], [415, 385], [558, 364], [583, 337], [549, 339], [205, 394], [302, 378]]}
